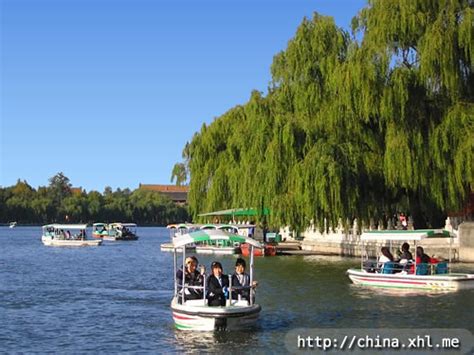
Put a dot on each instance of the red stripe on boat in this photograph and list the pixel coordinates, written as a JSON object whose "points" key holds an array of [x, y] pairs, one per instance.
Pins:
{"points": [[181, 317], [392, 281]]}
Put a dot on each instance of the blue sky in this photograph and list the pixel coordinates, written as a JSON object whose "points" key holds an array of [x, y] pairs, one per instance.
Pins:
{"points": [[109, 91]]}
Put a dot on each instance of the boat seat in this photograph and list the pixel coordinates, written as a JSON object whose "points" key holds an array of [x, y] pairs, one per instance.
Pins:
{"points": [[422, 269], [442, 268], [388, 267]]}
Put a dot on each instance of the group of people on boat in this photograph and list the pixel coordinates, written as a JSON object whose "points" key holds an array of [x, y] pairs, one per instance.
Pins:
{"points": [[125, 232], [66, 235], [388, 264], [219, 287]]}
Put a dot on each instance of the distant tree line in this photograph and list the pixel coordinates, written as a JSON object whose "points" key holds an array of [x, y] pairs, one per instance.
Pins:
{"points": [[59, 203], [357, 124]]}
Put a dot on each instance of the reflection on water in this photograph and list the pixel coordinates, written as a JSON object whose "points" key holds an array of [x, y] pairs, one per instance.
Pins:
{"points": [[216, 341], [116, 298], [368, 292]]}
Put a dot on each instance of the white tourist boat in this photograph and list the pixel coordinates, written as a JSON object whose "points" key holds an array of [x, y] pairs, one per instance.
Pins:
{"points": [[176, 230], [197, 315], [414, 276], [12, 225], [67, 235], [219, 247]]}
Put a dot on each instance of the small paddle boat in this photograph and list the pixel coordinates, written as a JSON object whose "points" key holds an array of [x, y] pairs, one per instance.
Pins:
{"points": [[432, 276], [99, 230], [121, 231], [115, 231], [196, 314]]}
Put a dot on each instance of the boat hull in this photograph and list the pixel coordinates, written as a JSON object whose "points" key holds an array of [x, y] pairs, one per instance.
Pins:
{"points": [[203, 318], [444, 282], [268, 250], [116, 239], [48, 241]]}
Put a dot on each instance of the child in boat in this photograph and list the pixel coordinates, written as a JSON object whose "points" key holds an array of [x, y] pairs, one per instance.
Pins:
{"points": [[241, 279], [217, 285], [192, 277]]}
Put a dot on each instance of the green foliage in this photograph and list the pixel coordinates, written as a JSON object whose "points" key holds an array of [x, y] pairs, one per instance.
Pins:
{"points": [[59, 187], [179, 174], [355, 126], [57, 203]]}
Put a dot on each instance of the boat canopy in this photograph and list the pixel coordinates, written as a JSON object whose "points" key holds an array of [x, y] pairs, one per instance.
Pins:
{"points": [[406, 235], [227, 226], [182, 226], [123, 224], [66, 226], [99, 224], [212, 234], [208, 226]]}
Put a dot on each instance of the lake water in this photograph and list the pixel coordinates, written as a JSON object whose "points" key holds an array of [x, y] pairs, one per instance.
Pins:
{"points": [[116, 297]]}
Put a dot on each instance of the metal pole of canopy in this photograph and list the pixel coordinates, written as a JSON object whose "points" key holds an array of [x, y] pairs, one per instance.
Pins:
{"points": [[184, 276], [174, 269], [204, 282], [251, 274], [230, 289], [416, 252], [449, 254]]}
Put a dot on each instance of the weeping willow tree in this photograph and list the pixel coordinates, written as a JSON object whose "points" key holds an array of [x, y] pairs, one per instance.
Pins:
{"points": [[354, 125], [426, 103]]}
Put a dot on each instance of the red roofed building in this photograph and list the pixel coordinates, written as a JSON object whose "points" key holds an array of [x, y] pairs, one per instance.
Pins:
{"points": [[76, 190], [177, 194]]}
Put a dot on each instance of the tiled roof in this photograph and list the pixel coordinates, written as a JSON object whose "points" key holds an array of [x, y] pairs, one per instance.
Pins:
{"points": [[164, 188], [173, 192], [76, 190]]}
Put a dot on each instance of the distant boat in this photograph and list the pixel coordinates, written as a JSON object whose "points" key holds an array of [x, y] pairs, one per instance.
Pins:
{"points": [[115, 231], [12, 224], [59, 235]]}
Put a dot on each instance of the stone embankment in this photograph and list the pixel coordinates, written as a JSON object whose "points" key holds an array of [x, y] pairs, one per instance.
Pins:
{"points": [[460, 248]]}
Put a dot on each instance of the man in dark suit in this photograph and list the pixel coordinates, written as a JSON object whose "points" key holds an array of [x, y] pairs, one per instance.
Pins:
{"points": [[217, 286]]}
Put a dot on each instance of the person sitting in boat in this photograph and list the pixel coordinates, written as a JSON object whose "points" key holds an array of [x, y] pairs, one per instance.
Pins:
{"points": [[192, 277], [217, 285], [125, 232], [421, 257], [405, 255], [386, 257], [241, 279]]}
